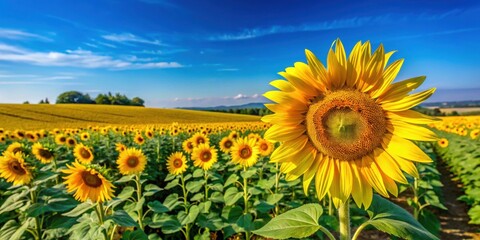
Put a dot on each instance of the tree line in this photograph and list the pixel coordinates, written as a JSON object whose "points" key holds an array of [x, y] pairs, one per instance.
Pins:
{"points": [[106, 99], [248, 111]]}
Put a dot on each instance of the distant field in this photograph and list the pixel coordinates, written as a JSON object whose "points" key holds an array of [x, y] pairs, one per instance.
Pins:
{"points": [[460, 110], [44, 116]]}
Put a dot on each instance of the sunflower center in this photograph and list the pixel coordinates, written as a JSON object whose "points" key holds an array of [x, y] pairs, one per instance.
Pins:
{"points": [[85, 153], [228, 144], [91, 180], [45, 153], [245, 152], [177, 163], [189, 145], [132, 161], [346, 124], [200, 140], [205, 156], [16, 167], [264, 146]]}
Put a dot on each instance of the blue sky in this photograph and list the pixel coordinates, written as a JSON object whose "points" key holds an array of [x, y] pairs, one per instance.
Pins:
{"points": [[207, 53]]}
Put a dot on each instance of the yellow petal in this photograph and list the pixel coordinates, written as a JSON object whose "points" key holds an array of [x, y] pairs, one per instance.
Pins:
{"points": [[303, 160], [406, 166], [283, 85], [317, 67], [357, 186], [310, 173], [373, 175], [390, 185], [337, 73], [388, 165], [397, 146], [334, 190], [281, 133], [388, 76], [284, 152], [408, 101], [411, 116], [324, 176], [400, 89], [346, 182], [412, 132]]}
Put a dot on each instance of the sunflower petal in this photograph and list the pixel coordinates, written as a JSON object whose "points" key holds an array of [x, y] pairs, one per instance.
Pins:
{"points": [[317, 67], [282, 85], [408, 101], [412, 132], [324, 177], [310, 173], [399, 90], [281, 133], [397, 146], [388, 76], [388, 165], [411, 116], [288, 149]]}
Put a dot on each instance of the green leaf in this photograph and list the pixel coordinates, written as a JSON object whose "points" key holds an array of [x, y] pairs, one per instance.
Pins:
{"points": [[192, 215], [172, 184], [390, 218], [245, 222], [231, 179], [210, 221], [274, 198], [126, 192], [205, 206], [263, 206], [297, 223], [216, 197], [126, 178], [197, 197], [171, 201], [121, 218], [151, 189], [135, 235], [232, 196], [9, 229], [79, 210], [474, 214], [157, 207], [249, 173], [195, 186], [168, 224], [13, 202], [198, 173], [430, 222]]}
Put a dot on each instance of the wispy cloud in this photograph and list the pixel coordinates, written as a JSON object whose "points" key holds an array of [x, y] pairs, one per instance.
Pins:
{"points": [[75, 58], [127, 38], [162, 52], [447, 32], [212, 101], [228, 69], [16, 34], [353, 22]]}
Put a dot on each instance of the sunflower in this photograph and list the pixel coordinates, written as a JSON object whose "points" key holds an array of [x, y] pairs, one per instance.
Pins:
{"points": [[87, 183], [149, 134], [199, 138], [120, 147], [474, 133], [245, 151], [71, 142], [265, 147], [60, 139], [19, 134], [187, 145], [15, 147], [139, 139], [31, 136], [226, 144], [347, 125], [2, 138], [443, 143], [204, 156], [176, 163], [13, 168], [43, 154], [131, 161], [85, 136], [83, 153], [233, 135]]}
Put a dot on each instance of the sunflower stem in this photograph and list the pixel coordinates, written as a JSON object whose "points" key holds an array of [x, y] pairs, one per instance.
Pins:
{"points": [[187, 227], [330, 206], [245, 198], [38, 226], [326, 232], [101, 216], [415, 199], [205, 175], [277, 180], [344, 220], [139, 196]]}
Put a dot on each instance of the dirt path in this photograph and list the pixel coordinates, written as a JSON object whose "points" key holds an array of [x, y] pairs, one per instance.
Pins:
{"points": [[454, 222]]}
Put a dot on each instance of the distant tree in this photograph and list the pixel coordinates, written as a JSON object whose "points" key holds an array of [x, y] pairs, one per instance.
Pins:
{"points": [[74, 97], [41, 102], [102, 99], [136, 101], [26, 102], [46, 101]]}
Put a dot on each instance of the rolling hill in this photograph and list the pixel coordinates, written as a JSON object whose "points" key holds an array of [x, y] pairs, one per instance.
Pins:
{"points": [[45, 116]]}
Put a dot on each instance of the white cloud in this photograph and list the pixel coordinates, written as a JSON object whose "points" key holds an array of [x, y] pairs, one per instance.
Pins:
{"points": [[19, 34], [75, 58], [126, 38], [353, 22]]}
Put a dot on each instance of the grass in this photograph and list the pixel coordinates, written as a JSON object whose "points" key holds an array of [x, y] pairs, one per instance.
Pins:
{"points": [[45, 116]]}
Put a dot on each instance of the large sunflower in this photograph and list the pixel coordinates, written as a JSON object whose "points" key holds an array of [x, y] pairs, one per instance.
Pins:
{"points": [[226, 144], [15, 147], [265, 147], [187, 145], [87, 183], [176, 163], [347, 125], [204, 156], [199, 138], [43, 154], [131, 161], [245, 151], [14, 169], [83, 153]]}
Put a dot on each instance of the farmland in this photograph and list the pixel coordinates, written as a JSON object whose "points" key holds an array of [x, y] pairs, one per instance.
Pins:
{"points": [[44, 116], [223, 201]]}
